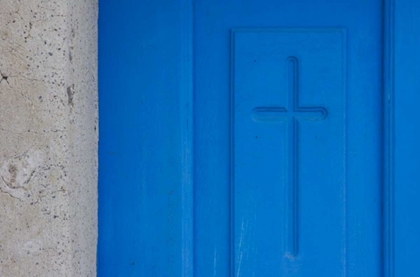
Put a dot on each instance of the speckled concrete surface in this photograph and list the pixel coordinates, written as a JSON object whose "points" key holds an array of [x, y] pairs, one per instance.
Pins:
{"points": [[48, 138]]}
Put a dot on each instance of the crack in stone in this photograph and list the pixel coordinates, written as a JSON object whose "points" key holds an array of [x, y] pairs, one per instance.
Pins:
{"points": [[13, 192]]}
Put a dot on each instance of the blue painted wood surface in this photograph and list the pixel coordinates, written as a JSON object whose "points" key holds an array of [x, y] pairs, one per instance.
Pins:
{"points": [[258, 138], [339, 185], [404, 167], [143, 177]]}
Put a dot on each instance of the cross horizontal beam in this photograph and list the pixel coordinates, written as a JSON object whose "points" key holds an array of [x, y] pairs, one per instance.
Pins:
{"points": [[276, 114]]}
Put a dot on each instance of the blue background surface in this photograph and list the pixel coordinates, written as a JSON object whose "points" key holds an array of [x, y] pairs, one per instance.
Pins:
{"points": [[140, 172], [154, 54]]}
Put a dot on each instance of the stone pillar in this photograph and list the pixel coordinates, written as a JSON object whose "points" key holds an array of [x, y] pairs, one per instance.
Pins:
{"points": [[48, 138]]}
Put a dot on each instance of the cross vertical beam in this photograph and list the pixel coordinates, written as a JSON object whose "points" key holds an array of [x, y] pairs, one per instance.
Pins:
{"points": [[292, 226]]}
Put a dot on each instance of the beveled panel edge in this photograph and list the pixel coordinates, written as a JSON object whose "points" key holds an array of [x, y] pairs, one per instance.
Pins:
{"points": [[388, 262]]}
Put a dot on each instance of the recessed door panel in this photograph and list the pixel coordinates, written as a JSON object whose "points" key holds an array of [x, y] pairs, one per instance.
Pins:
{"points": [[288, 150]]}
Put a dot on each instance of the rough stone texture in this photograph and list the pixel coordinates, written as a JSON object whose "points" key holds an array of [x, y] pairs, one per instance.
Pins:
{"points": [[48, 137]]}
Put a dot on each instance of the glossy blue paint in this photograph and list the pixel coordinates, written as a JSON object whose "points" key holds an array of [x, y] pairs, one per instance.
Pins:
{"points": [[258, 138]]}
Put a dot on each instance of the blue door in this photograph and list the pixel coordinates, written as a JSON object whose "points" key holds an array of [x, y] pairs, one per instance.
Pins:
{"points": [[255, 138]]}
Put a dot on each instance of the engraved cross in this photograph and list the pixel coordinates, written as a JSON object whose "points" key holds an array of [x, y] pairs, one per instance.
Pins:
{"points": [[294, 114]]}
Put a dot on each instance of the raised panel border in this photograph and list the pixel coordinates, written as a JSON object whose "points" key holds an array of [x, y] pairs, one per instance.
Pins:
{"points": [[187, 136]]}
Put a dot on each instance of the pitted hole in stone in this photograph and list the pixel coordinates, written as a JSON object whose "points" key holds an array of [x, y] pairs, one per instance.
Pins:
{"points": [[4, 77], [70, 94]]}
